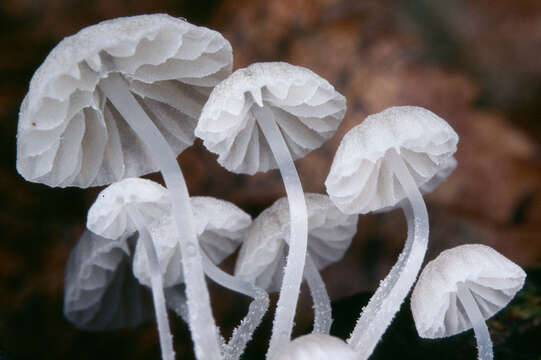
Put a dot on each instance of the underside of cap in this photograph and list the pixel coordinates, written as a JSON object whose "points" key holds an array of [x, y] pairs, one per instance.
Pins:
{"points": [[306, 108], [70, 135], [109, 215], [492, 279], [262, 254], [220, 227], [101, 292], [361, 178]]}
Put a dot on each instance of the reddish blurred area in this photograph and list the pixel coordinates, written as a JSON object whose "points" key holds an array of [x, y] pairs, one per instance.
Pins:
{"points": [[475, 63]]}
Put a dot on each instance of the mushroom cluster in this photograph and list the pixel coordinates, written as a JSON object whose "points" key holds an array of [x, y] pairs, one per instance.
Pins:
{"points": [[125, 97]]}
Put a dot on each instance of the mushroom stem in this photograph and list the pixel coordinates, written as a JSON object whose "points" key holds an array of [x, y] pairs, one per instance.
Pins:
{"points": [[320, 297], [156, 281], [484, 343], [386, 301], [202, 324], [289, 292], [176, 300], [243, 333], [258, 307]]}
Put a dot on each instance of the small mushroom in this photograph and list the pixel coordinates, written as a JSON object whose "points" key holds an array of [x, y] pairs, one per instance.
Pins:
{"points": [[120, 99], [101, 292], [263, 117], [316, 347], [461, 289], [262, 255], [220, 227], [386, 161], [131, 206]]}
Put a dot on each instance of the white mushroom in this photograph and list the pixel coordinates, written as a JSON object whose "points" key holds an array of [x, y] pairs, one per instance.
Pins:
{"points": [[262, 255], [461, 289], [101, 292], [316, 347], [131, 206], [382, 163], [220, 227], [262, 117], [120, 99]]}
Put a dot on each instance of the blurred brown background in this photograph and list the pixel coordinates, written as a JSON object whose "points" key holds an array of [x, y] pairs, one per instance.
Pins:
{"points": [[475, 63]]}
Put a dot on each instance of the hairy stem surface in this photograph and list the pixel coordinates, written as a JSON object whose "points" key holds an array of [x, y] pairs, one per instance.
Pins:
{"points": [[386, 301]]}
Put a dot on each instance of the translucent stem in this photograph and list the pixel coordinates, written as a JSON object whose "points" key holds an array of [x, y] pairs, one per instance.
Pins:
{"points": [[156, 281], [243, 333], [176, 300], [484, 343], [322, 303], [232, 350], [289, 293], [202, 324], [386, 301]]}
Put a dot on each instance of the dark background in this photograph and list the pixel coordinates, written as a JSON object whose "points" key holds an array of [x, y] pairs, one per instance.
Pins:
{"points": [[475, 63]]}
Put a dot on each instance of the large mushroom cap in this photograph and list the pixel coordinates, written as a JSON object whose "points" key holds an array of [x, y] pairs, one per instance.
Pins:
{"points": [[361, 180], [492, 279], [317, 347], [101, 292], [219, 225], [109, 216], [69, 135], [305, 106], [262, 255]]}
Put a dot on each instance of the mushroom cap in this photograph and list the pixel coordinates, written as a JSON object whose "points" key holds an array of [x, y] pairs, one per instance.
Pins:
{"points": [[361, 180], [262, 255], [69, 135], [492, 279], [101, 292], [109, 215], [317, 347], [306, 108], [220, 227]]}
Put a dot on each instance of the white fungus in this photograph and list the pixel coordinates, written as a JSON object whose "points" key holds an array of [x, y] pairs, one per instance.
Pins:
{"points": [[387, 161], [120, 99], [305, 107], [101, 292], [262, 255], [460, 289], [70, 135], [128, 207], [361, 179], [220, 227], [262, 117], [109, 215], [316, 347]]}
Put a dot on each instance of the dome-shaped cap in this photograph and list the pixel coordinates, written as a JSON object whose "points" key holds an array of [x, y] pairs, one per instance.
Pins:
{"points": [[101, 292], [317, 347], [492, 279], [305, 106], [262, 255], [361, 180], [109, 215], [220, 227], [68, 135]]}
